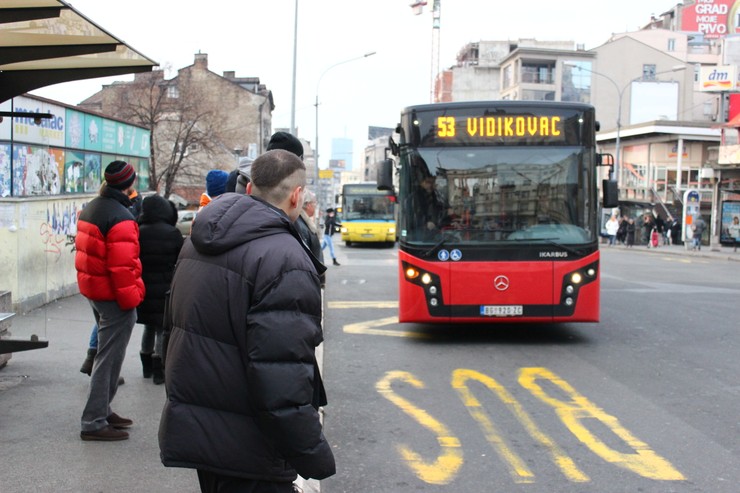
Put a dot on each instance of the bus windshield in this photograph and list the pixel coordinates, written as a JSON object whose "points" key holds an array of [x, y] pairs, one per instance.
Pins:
{"points": [[357, 207], [498, 195]]}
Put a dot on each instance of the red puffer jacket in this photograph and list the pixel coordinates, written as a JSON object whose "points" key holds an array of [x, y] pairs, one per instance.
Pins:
{"points": [[107, 259]]}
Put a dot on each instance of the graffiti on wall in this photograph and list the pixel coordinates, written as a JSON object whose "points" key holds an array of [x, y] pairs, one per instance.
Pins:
{"points": [[59, 229]]}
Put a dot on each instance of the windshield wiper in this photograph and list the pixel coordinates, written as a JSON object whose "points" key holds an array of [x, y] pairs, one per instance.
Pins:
{"points": [[446, 235]]}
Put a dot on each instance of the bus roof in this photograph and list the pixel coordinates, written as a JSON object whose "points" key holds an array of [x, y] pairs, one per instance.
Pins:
{"points": [[504, 103]]}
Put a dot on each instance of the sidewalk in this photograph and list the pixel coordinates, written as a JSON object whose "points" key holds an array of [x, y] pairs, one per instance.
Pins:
{"points": [[42, 393], [721, 252]]}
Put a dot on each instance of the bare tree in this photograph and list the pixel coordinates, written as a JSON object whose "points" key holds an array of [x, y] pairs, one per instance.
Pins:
{"points": [[188, 128]]}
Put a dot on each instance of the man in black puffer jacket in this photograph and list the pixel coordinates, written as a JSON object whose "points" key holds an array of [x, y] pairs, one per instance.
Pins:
{"points": [[243, 386]]}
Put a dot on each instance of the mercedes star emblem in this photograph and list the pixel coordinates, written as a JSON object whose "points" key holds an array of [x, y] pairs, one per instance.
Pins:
{"points": [[501, 283]]}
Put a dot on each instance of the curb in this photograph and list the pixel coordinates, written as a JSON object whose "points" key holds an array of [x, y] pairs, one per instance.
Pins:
{"points": [[313, 485], [681, 251]]}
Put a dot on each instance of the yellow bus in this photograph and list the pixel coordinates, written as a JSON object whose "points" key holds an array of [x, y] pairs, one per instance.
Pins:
{"points": [[368, 214]]}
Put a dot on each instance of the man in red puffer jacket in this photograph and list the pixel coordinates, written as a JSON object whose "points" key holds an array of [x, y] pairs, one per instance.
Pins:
{"points": [[109, 276]]}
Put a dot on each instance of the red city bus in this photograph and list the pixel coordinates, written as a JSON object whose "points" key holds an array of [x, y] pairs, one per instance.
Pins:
{"points": [[498, 212]]}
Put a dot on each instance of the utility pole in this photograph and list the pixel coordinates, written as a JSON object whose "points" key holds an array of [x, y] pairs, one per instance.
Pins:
{"points": [[436, 14], [418, 8]]}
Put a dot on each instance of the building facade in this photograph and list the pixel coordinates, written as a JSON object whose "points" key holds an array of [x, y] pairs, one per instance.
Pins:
{"points": [[200, 121], [665, 129]]}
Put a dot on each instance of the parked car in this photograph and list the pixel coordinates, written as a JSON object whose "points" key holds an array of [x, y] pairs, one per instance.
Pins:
{"points": [[185, 221]]}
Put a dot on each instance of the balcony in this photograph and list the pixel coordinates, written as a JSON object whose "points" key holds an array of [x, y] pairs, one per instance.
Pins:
{"points": [[537, 74]]}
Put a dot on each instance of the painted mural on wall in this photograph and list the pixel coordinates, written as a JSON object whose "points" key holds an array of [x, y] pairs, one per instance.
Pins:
{"points": [[37, 170], [64, 153], [4, 170], [74, 172], [93, 178]]}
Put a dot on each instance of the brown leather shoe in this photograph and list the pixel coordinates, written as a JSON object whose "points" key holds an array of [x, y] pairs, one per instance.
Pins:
{"points": [[107, 434], [117, 421]]}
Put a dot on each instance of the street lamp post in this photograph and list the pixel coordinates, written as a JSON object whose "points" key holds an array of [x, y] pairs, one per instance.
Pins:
{"points": [[295, 57], [620, 93], [316, 142]]}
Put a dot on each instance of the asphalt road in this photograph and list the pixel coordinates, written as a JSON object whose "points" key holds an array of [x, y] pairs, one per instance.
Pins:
{"points": [[646, 400]]}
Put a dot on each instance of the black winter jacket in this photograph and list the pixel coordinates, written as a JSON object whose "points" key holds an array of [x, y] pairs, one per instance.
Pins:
{"points": [[311, 239], [159, 243], [242, 382]]}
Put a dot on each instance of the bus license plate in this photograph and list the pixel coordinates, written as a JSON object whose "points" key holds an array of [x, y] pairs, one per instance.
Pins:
{"points": [[501, 310], [368, 235]]}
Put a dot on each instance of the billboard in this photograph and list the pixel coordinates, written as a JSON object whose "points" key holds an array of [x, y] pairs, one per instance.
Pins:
{"points": [[652, 101], [730, 229], [718, 78], [337, 164], [26, 128], [712, 18]]}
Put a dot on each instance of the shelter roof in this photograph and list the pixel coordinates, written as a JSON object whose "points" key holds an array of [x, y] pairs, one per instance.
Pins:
{"points": [[46, 42]]}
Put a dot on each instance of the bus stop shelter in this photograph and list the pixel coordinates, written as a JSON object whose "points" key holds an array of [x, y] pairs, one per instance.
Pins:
{"points": [[46, 42]]}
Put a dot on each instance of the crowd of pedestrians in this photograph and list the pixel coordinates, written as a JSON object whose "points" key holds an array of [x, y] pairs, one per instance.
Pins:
{"points": [[231, 317], [651, 230]]}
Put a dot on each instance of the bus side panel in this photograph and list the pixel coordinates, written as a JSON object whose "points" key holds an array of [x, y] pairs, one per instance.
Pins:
{"points": [[587, 300], [413, 305]]}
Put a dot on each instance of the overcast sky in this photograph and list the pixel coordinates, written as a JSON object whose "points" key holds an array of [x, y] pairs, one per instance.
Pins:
{"points": [[254, 38]]}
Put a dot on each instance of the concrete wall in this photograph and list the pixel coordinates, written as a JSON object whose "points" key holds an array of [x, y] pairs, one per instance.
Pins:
{"points": [[37, 257], [5, 317]]}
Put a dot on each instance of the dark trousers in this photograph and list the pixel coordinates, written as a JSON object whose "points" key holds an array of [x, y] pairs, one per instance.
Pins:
{"points": [[211, 482]]}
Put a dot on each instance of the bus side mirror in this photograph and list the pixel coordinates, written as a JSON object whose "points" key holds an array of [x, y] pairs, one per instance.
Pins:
{"points": [[605, 160], [611, 194], [385, 175], [609, 188], [393, 146]]}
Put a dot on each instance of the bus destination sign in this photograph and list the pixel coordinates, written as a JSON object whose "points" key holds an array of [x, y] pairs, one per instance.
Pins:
{"points": [[506, 123], [364, 190], [451, 128]]}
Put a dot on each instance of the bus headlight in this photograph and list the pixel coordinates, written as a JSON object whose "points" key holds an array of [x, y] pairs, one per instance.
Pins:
{"points": [[391, 231], [574, 281], [429, 281]]}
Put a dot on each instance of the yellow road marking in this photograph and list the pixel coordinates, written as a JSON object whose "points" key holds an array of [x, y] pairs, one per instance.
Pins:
{"points": [[517, 468], [578, 409], [444, 469], [681, 260], [368, 328]]}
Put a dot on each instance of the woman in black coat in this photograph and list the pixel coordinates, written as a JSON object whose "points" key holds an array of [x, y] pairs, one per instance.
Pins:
{"points": [[160, 243]]}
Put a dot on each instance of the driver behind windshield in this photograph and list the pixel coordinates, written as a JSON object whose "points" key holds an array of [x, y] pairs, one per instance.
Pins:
{"points": [[429, 209]]}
